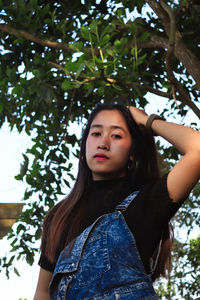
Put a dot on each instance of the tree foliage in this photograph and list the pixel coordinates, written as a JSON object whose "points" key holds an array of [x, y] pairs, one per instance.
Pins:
{"points": [[186, 260], [60, 58]]}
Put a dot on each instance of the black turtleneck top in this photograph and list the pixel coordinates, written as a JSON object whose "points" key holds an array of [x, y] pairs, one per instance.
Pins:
{"points": [[146, 216]]}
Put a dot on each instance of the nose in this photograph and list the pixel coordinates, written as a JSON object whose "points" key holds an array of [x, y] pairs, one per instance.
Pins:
{"points": [[103, 147], [104, 144]]}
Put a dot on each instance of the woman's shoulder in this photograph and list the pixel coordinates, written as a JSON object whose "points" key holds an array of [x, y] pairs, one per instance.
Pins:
{"points": [[153, 200], [45, 264]]}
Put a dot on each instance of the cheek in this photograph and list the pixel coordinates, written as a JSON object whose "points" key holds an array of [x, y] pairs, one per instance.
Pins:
{"points": [[124, 154], [126, 148], [87, 148]]}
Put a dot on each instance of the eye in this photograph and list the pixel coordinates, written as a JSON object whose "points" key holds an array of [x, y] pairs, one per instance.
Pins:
{"points": [[116, 136], [96, 133]]}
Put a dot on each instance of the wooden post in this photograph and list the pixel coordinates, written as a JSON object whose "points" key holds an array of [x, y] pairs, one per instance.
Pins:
{"points": [[9, 212]]}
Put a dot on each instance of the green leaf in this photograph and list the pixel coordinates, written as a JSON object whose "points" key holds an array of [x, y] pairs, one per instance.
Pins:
{"points": [[16, 272], [80, 46], [143, 37], [67, 84], [29, 258], [38, 234], [85, 33], [65, 150], [121, 12], [117, 45], [11, 260], [80, 69], [196, 190], [105, 31], [24, 166], [118, 88], [94, 27], [166, 85], [20, 227], [98, 61], [17, 90], [67, 183], [19, 177], [133, 28], [104, 40]]}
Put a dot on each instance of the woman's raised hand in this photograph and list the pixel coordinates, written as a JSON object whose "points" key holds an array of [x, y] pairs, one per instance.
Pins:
{"points": [[185, 174], [138, 115]]}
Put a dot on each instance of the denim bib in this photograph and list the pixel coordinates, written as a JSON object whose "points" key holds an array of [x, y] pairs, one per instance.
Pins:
{"points": [[102, 263]]}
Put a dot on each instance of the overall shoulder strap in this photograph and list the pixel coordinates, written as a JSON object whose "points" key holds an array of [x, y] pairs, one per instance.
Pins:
{"points": [[126, 202]]}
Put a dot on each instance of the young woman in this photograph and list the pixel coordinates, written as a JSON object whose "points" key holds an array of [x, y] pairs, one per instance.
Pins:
{"points": [[102, 241]]}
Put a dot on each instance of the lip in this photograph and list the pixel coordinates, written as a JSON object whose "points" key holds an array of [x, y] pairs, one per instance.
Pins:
{"points": [[100, 156]]}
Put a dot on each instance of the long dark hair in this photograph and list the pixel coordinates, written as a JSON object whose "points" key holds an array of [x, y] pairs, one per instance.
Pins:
{"points": [[70, 211]]}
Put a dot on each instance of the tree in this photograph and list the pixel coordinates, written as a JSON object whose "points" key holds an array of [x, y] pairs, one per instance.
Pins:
{"points": [[58, 59], [186, 260]]}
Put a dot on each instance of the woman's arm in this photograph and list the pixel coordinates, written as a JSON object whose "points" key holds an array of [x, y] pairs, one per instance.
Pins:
{"points": [[185, 174], [42, 289]]}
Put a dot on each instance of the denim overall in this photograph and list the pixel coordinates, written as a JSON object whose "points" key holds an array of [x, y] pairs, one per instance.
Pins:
{"points": [[103, 263]]}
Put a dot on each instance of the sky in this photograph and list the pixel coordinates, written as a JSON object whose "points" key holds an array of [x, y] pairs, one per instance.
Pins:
{"points": [[12, 147]]}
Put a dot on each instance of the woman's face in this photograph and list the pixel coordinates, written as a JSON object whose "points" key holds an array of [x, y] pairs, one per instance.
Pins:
{"points": [[108, 146]]}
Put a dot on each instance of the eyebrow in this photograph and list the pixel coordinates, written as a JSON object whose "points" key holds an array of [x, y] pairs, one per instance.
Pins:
{"points": [[112, 127]]}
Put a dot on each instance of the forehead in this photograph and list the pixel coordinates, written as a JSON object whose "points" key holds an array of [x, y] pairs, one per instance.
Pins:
{"points": [[109, 118]]}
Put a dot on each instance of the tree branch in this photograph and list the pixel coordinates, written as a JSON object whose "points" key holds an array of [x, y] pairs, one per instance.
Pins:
{"points": [[112, 81], [142, 87], [154, 41], [170, 51], [185, 96], [42, 41], [182, 94], [4, 17], [33, 38], [155, 91], [184, 55], [172, 31], [72, 75], [159, 11]]}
